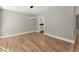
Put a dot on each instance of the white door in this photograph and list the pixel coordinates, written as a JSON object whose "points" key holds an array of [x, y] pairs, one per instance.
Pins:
{"points": [[40, 21]]}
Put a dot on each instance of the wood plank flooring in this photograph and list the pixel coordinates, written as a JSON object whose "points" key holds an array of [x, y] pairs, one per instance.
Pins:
{"points": [[33, 42], [76, 47]]}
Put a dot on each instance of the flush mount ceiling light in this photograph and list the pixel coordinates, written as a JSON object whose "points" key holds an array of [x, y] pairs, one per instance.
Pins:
{"points": [[31, 6]]}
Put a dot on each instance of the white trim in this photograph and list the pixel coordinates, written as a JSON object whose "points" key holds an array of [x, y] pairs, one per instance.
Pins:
{"points": [[66, 40], [6, 36], [11, 35]]}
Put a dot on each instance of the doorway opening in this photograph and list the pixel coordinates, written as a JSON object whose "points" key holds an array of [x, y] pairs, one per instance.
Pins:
{"points": [[40, 23]]}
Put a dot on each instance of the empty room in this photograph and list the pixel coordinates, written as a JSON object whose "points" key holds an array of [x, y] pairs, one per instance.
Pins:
{"points": [[38, 28]]}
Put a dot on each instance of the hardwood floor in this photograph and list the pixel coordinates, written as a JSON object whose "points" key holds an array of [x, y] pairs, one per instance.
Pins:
{"points": [[33, 42], [76, 47]]}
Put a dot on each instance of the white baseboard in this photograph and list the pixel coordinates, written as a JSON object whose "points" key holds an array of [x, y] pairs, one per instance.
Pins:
{"points": [[11, 35], [66, 40], [6, 36]]}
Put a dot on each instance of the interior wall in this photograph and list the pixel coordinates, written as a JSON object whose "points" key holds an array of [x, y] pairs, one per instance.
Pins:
{"points": [[77, 10], [60, 22], [77, 23], [0, 20], [15, 22], [77, 18]]}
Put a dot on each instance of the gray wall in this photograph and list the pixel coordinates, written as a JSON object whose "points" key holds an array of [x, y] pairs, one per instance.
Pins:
{"points": [[0, 21], [77, 18], [77, 22], [14, 23], [60, 22]]}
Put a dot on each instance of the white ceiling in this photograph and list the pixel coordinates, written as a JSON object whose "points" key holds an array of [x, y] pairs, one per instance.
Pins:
{"points": [[37, 10]]}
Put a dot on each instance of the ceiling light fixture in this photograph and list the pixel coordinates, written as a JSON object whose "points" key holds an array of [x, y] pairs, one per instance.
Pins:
{"points": [[31, 6]]}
